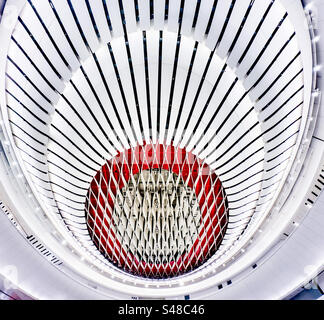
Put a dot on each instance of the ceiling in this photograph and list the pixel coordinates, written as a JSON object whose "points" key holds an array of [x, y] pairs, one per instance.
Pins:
{"points": [[235, 83]]}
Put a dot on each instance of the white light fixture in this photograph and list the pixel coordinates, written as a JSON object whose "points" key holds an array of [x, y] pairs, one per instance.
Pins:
{"points": [[316, 39], [317, 68]]}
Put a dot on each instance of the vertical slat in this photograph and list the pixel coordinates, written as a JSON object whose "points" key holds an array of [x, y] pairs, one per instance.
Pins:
{"points": [[159, 7], [114, 13], [153, 56], [44, 9], [218, 23], [185, 54], [66, 17], [258, 10], [18, 57], [85, 22], [137, 53], [168, 56], [144, 14], [129, 11], [33, 53], [119, 50], [101, 20], [203, 17], [96, 80], [202, 56], [21, 80], [233, 26], [174, 11], [107, 67], [34, 25], [187, 19]]}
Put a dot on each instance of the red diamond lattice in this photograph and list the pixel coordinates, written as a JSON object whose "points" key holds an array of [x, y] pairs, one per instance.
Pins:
{"points": [[156, 211]]}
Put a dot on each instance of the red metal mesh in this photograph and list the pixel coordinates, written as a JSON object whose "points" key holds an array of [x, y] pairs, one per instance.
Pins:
{"points": [[131, 247]]}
